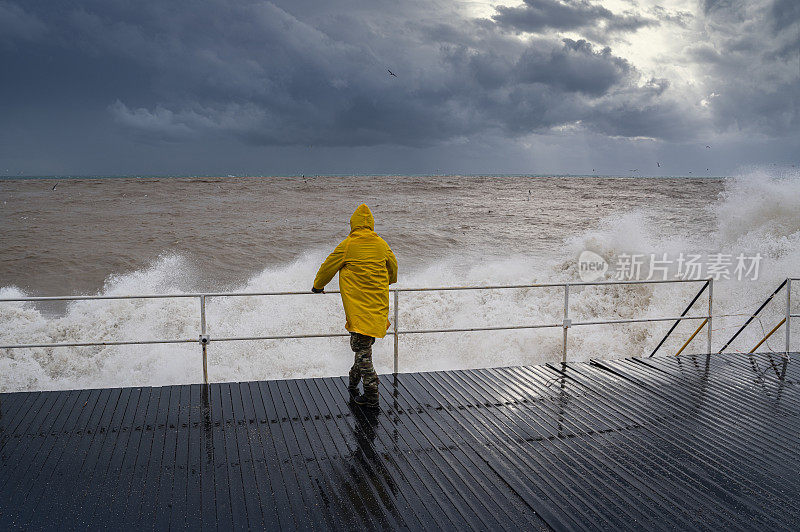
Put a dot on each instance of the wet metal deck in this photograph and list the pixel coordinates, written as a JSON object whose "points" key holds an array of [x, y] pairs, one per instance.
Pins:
{"points": [[683, 443]]}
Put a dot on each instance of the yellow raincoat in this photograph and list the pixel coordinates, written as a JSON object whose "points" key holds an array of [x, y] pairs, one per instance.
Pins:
{"points": [[366, 267]]}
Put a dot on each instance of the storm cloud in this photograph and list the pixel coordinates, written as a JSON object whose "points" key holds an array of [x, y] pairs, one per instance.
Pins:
{"points": [[298, 74], [540, 15]]}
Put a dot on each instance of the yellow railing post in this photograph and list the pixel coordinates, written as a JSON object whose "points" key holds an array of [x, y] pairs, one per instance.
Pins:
{"points": [[778, 326], [691, 337]]}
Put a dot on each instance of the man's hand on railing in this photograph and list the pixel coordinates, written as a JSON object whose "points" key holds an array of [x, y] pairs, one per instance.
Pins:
{"points": [[318, 290]]}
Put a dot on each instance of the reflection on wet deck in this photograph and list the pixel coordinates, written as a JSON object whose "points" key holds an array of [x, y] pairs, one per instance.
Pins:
{"points": [[694, 442]]}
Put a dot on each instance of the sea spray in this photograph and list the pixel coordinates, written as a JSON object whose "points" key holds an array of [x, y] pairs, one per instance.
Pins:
{"points": [[755, 213]]}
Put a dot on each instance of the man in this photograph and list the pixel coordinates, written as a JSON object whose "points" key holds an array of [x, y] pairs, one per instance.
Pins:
{"points": [[366, 267]]}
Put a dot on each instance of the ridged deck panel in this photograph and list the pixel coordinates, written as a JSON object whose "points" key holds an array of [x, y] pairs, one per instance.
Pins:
{"points": [[687, 443]]}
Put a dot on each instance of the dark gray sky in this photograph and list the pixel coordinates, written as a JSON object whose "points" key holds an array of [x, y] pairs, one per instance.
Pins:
{"points": [[292, 87]]}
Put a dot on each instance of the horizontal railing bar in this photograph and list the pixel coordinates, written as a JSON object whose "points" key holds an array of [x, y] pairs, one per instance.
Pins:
{"points": [[471, 329], [90, 344], [494, 287], [641, 320], [646, 281], [306, 292], [87, 298], [549, 325], [546, 285], [252, 294], [336, 335], [161, 296], [279, 337]]}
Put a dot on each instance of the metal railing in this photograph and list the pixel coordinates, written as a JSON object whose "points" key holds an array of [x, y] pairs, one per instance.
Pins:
{"points": [[787, 319], [204, 339]]}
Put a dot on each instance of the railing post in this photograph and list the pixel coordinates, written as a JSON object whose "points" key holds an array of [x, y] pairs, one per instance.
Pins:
{"points": [[684, 313], [788, 312], [396, 313], [753, 316], [204, 337], [710, 309], [567, 322]]}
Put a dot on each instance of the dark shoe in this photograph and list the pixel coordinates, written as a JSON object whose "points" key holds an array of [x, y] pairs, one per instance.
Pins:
{"points": [[366, 402], [353, 391]]}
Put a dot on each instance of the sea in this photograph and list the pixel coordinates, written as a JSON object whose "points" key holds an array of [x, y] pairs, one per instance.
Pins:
{"points": [[170, 235]]}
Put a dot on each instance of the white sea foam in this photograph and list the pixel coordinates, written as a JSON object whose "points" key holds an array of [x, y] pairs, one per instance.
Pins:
{"points": [[756, 213]]}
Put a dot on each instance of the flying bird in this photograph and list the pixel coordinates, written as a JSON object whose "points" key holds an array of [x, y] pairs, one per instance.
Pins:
{"points": [[659, 164], [707, 146], [54, 186], [391, 73]]}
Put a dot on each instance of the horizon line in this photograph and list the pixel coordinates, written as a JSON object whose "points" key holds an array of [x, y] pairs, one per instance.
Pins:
{"points": [[366, 174]]}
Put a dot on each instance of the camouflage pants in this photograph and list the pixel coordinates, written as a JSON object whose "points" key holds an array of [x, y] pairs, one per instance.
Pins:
{"points": [[362, 367]]}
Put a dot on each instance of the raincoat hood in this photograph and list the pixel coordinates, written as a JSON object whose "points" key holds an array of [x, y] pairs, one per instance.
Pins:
{"points": [[362, 218], [366, 267]]}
